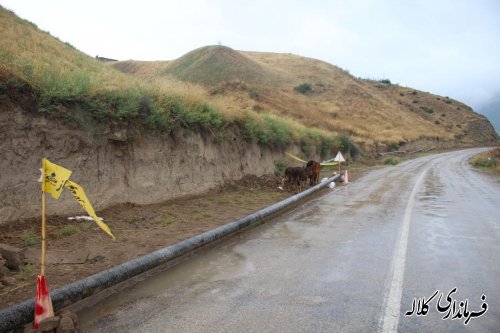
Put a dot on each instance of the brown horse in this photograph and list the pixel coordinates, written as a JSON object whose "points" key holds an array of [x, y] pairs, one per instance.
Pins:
{"points": [[313, 169]]}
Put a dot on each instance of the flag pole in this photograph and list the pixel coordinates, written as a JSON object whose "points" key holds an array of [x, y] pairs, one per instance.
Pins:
{"points": [[44, 244], [43, 303]]}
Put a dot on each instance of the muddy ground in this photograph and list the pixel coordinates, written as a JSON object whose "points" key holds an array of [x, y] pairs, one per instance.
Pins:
{"points": [[79, 249]]}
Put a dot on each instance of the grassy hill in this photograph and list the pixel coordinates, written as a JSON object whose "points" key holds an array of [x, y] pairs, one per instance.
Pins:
{"points": [[48, 76], [320, 95], [273, 99], [211, 65]]}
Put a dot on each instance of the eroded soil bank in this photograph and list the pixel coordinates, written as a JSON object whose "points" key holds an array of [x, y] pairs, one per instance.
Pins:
{"points": [[117, 165]]}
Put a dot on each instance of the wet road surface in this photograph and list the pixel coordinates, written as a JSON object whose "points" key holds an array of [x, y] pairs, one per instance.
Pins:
{"points": [[353, 260]]}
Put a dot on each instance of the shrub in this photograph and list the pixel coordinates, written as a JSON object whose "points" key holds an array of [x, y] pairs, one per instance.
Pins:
{"points": [[249, 126], [267, 130], [385, 81], [278, 132], [308, 140], [393, 160], [159, 120], [303, 88], [325, 148], [219, 137], [347, 146], [426, 109], [202, 115], [280, 167]]}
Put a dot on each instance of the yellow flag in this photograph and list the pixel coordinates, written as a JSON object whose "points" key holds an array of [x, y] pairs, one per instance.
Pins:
{"points": [[54, 177], [81, 197]]}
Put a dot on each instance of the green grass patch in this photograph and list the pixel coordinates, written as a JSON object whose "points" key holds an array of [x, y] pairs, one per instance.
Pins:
{"points": [[166, 220], [30, 238], [65, 231], [28, 270], [268, 130], [489, 160], [280, 166], [393, 160]]}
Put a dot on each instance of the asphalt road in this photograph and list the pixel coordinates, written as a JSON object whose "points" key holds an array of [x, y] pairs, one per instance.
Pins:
{"points": [[365, 257]]}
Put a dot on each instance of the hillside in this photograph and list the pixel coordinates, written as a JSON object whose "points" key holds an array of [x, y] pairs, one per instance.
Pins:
{"points": [[372, 112], [139, 140], [215, 64], [144, 132]]}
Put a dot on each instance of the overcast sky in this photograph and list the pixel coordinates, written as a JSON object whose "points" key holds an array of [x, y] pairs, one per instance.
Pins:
{"points": [[447, 47]]}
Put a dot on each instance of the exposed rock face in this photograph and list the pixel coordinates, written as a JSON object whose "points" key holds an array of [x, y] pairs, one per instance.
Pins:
{"points": [[482, 131], [111, 169]]}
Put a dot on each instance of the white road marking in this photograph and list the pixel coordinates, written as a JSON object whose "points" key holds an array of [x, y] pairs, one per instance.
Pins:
{"points": [[390, 320]]}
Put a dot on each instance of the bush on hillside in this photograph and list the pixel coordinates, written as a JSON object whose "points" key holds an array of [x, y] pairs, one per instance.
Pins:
{"points": [[280, 168], [488, 160], [347, 146], [303, 88], [393, 160]]}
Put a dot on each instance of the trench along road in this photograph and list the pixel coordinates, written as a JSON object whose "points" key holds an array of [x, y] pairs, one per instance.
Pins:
{"points": [[366, 257]]}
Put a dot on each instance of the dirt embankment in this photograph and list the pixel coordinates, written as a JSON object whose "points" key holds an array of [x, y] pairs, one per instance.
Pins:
{"points": [[77, 249], [114, 168]]}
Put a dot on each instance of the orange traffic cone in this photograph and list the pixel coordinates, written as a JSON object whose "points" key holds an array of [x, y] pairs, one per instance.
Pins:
{"points": [[346, 179], [43, 303]]}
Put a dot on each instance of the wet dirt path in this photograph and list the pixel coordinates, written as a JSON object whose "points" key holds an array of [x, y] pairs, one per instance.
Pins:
{"points": [[333, 263]]}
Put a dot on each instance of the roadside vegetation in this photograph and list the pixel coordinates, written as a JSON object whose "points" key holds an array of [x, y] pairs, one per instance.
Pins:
{"points": [[215, 89], [84, 93], [393, 160], [489, 160]]}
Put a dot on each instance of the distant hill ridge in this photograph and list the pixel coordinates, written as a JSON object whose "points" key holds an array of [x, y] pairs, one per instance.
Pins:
{"points": [[274, 99], [373, 112]]}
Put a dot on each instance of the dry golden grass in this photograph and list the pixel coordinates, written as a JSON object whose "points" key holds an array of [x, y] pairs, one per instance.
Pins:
{"points": [[59, 75], [369, 111], [241, 85], [30, 54]]}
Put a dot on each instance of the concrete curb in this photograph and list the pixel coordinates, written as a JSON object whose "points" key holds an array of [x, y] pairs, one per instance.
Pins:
{"points": [[22, 313]]}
